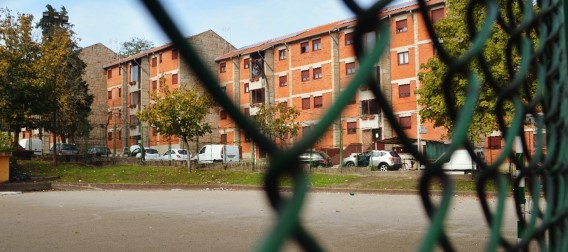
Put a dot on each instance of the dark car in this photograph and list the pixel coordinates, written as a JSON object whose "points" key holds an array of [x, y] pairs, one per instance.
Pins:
{"points": [[99, 151], [65, 149], [315, 159]]}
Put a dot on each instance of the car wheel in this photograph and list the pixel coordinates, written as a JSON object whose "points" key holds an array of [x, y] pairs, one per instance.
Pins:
{"points": [[350, 164], [383, 167]]}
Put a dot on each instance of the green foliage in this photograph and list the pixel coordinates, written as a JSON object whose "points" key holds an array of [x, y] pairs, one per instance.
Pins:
{"points": [[452, 30], [180, 112], [22, 87], [134, 46], [278, 121], [6, 142]]}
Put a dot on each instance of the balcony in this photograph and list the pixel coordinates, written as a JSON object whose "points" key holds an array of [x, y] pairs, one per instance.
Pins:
{"points": [[133, 86], [134, 130], [133, 108], [367, 122], [257, 84]]}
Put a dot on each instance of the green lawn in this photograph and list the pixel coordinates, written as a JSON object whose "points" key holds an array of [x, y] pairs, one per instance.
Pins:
{"points": [[137, 174]]}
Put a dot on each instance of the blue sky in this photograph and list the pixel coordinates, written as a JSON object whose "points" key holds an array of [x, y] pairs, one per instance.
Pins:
{"points": [[238, 21]]}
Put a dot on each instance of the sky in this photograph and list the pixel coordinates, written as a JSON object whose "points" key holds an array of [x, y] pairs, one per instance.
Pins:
{"points": [[241, 22]]}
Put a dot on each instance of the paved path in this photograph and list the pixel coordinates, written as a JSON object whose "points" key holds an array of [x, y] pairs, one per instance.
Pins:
{"points": [[202, 220]]}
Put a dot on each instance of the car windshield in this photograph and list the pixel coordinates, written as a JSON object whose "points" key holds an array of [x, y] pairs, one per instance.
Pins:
{"points": [[151, 151], [183, 152], [394, 154], [68, 147]]}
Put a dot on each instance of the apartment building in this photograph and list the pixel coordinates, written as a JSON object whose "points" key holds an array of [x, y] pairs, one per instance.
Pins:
{"points": [[310, 68], [130, 81]]}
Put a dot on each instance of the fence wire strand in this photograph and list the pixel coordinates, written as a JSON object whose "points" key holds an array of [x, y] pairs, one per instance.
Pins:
{"points": [[544, 173]]}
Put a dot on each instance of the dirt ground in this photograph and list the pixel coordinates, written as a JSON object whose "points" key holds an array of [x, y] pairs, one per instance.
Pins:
{"points": [[222, 220]]}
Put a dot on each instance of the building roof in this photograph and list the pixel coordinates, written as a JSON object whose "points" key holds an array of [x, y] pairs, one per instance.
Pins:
{"points": [[151, 51], [395, 7]]}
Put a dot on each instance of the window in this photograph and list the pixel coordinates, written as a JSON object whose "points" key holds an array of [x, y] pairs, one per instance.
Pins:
{"points": [[223, 138], [160, 56], [282, 54], [305, 103], [405, 122], [317, 73], [349, 38], [350, 68], [175, 54], [154, 85], [404, 90], [257, 96], [246, 63], [403, 58], [369, 107], [351, 127], [316, 44], [305, 130], [119, 70], [304, 47], [175, 79], [305, 75], [154, 62], [223, 115], [119, 92], [109, 73], [494, 142], [246, 88], [222, 67], [401, 26], [109, 94], [437, 15], [283, 81], [318, 102], [109, 136]]}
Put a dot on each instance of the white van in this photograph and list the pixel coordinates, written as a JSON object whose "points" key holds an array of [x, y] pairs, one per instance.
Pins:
{"points": [[35, 145], [222, 153], [460, 161]]}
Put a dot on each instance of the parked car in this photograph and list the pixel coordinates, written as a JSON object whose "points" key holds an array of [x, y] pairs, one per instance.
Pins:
{"points": [[99, 151], [65, 149], [218, 153], [315, 159], [175, 154], [382, 159], [149, 154], [35, 145]]}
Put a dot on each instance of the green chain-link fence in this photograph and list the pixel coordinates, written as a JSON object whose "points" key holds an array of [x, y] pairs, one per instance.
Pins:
{"points": [[545, 175]]}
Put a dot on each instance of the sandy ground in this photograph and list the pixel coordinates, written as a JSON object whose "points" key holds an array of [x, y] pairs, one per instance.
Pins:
{"points": [[207, 220]]}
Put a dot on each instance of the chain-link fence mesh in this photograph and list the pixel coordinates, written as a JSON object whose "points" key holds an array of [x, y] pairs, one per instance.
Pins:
{"points": [[545, 175]]}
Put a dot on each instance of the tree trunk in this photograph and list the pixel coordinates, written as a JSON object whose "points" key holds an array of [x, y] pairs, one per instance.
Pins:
{"points": [[184, 139]]}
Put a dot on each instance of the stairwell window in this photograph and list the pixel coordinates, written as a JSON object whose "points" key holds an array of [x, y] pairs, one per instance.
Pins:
{"points": [[175, 79], [175, 54], [282, 54], [306, 75], [349, 38], [317, 73], [305, 103], [351, 128], [405, 122], [246, 63], [403, 58], [246, 88], [404, 90], [154, 62], [316, 44], [222, 67], [350, 68], [369, 107], [318, 101], [304, 47], [401, 26], [283, 81]]}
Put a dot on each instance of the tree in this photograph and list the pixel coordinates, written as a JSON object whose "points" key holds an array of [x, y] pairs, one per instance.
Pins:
{"points": [[278, 121], [22, 88], [179, 112], [134, 46], [453, 31]]}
